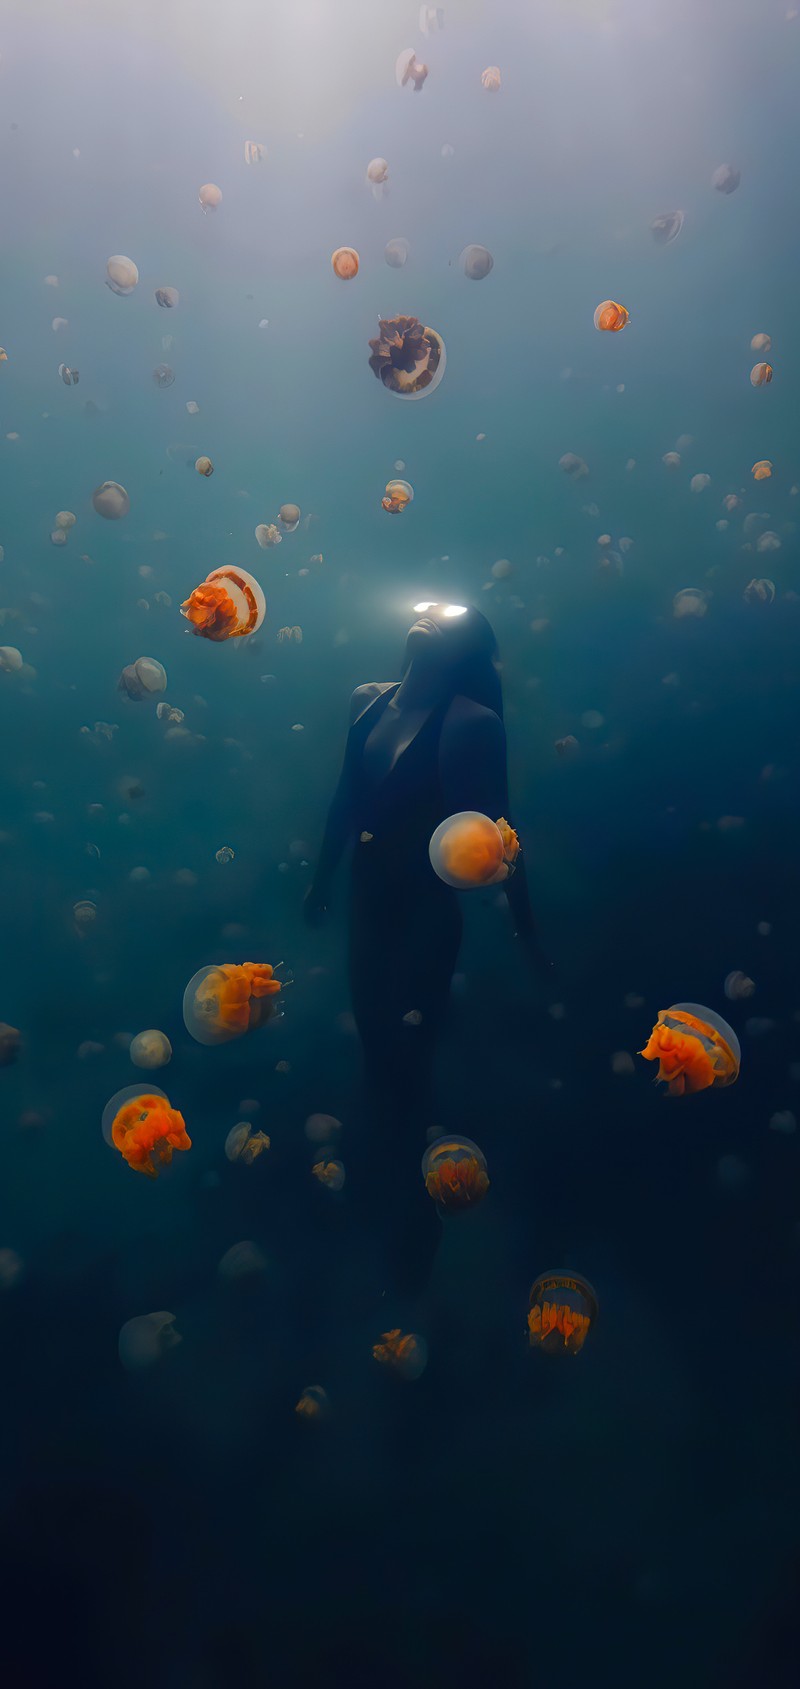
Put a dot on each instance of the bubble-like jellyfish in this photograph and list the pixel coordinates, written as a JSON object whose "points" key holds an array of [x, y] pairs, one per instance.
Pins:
{"points": [[396, 253], [229, 604], [267, 534], [671, 460], [150, 1049], [70, 377], [254, 152], [562, 1308], [377, 171], [344, 263], [10, 659], [768, 541], [476, 262], [10, 1044], [328, 1171], [691, 601], [141, 1123], [245, 1145], [204, 466], [699, 483], [111, 501], [431, 18], [454, 1171], [468, 849], [167, 298], [761, 343], [695, 1049], [227, 999], [398, 495], [566, 747], [242, 1261], [163, 375], [224, 855], [490, 79], [667, 227], [610, 317], [84, 913], [573, 466], [313, 1403], [66, 519], [407, 359], [122, 275], [762, 470], [726, 178], [322, 1128], [737, 986], [143, 679], [403, 1352], [210, 196], [409, 69], [289, 517], [143, 1340], [759, 592], [761, 375]]}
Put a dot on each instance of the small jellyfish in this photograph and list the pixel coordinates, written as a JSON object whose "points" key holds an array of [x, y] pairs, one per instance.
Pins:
{"points": [[689, 602], [699, 483], [759, 592], [289, 517], [225, 1000], [396, 253], [267, 534], [562, 1308], [289, 634], [10, 1044], [768, 541], [783, 1121], [409, 69], [150, 1049], [738, 986], [111, 501], [345, 263], [143, 679], [398, 495], [490, 79], [731, 502], [377, 171], [671, 460], [145, 1128], [167, 298], [229, 604], [761, 343], [224, 855], [58, 537], [695, 1049], [330, 1173], [12, 1265], [573, 466], [204, 466], [143, 1340], [163, 375], [245, 1145], [610, 317], [403, 1352], [65, 519], [122, 275], [567, 747], [322, 1128], [192, 407], [210, 196], [761, 375], [476, 262], [454, 1171], [468, 849], [667, 227], [254, 152], [408, 359], [502, 569], [313, 1403], [59, 323], [726, 179], [242, 1261], [762, 470], [70, 377]]}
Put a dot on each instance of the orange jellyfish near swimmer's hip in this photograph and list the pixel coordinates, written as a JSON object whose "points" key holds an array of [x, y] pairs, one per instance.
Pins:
{"points": [[468, 849], [562, 1308], [141, 1123], [454, 1170], [229, 604], [227, 999], [695, 1049]]}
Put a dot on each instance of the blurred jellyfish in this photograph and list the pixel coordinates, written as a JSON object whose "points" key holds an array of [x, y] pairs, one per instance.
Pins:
{"points": [[267, 534], [229, 604], [150, 1049], [476, 262], [243, 1260], [731, 502], [192, 407], [726, 179], [70, 377], [322, 1128], [431, 18], [167, 298], [759, 592], [783, 1121], [58, 537], [689, 602], [695, 1049], [762, 470], [502, 569], [396, 253], [12, 1266], [65, 519], [10, 1044], [210, 196], [121, 274], [245, 1145], [330, 1173], [111, 500], [562, 1308], [407, 359], [768, 542], [59, 323], [10, 659], [224, 855], [204, 466], [144, 1127], [610, 317], [573, 466], [313, 1403], [163, 376], [402, 1352], [84, 913], [468, 849], [398, 495], [142, 679], [566, 747], [761, 375], [454, 1171], [699, 483], [671, 460], [738, 986], [345, 262], [490, 79], [377, 171], [142, 1341], [666, 228], [409, 69], [225, 1000], [289, 517], [761, 343], [254, 152]]}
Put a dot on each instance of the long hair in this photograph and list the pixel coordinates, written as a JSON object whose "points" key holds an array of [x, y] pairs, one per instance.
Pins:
{"points": [[468, 658]]}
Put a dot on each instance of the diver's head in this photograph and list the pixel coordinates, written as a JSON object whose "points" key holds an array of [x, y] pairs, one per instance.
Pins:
{"points": [[454, 645]]}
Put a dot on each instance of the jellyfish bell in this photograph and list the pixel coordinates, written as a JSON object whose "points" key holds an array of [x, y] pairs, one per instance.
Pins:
{"points": [[10, 659], [167, 298], [328, 1171], [377, 171], [667, 227], [140, 1122], [122, 275], [150, 1049], [344, 262], [490, 79], [111, 501], [313, 1403], [695, 1049], [690, 601], [66, 519], [396, 253], [142, 1341], [228, 605], [225, 1000], [573, 466], [407, 359], [759, 592], [454, 1172], [468, 850], [267, 535], [726, 178], [163, 375], [562, 1308], [143, 679], [70, 377], [762, 470], [398, 495], [402, 1352], [761, 343], [699, 483], [210, 196], [476, 262], [671, 460], [289, 517], [761, 375], [738, 986], [610, 317]]}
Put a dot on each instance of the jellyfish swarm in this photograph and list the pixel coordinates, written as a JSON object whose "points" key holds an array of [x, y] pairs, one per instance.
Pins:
{"points": [[344, 262], [403, 1352], [229, 604], [398, 494], [469, 850], [695, 1049], [407, 359], [143, 1126], [562, 1307], [454, 1170], [610, 317], [225, 1000]]}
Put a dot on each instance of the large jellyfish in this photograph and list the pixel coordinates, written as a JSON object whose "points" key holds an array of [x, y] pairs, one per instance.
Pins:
{"points": [[398, 495], [144, 1127], [476, 262], [562, 1308], [344, 263], [695, 1049], [454, 1170], [121, 274], [143, 679], [610, 317], [111, 500], [408, 359], [409, 69], [210, 196], [666, 228], [229, 604], [403, 1352], [225, 1000], [468, 849]]}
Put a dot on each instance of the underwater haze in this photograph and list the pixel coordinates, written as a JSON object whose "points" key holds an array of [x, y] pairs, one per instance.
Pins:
{"points": [[559, 1449]]}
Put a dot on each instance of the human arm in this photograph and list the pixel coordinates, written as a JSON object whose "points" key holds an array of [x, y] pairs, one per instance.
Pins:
{"points": [[339, 824]]}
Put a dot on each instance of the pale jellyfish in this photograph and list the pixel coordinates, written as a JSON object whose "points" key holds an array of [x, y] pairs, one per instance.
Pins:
{"points": [[768, 542], [111, 500], [65, 519], [476, 262], [59, 323], [431, 18], [289, 517], [163, 375], [409, 69], [192, 407], [573, 466], [150, 1049], [204, 466], [210, 196], [58, 537], [761, 375], [783, 1121], [689, 602], [70, 377], [254, 152], [666, 228], [143, 679], [142, 1341], [726, 179], [671, 460], [502, 569], [396, 253], [243, 1260], [738, 986], [10, 659], [167, 297], [377, 171], [51, 281], [267, 534], [490, 79], [12, 1267], [10, 1044], [121, 274], [245, 1145], [731, 501], [699, 483], [322, 1128], [761, 343]]}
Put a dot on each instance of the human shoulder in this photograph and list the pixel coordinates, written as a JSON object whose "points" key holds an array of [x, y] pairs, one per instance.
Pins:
{"points": [[365, 695]]}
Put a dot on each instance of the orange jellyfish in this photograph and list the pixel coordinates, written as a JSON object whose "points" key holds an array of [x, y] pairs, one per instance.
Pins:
{"points": [[313, 1403], [229, 604], [403, 1351], [695, 1049], [398, 495], [562, 1308], [469, 850], [762, 470], [210, 196], [610, 317], [408, 359], [227, 999], [144, 1127], [330, 1173], [454, 1170], [345, 263], [760, 375]]}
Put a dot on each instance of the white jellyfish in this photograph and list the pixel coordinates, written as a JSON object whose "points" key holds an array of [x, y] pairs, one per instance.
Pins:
{"points": [[476, 262], [690, 601], [143, 1340], [111, 500], [396, 252], [150, 1049], [121, 274]]}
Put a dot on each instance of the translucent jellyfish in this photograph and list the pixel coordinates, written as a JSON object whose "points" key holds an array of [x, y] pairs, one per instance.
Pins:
{"points": [[65, 519], [738, 986], [694, 1047], [761, 343], [666, 228], [398, 495], [454, 1171], [143, 679], [144, 1127], [731, 502], [468, 849], [150, 1049], [204, 466], [329, 1172], [431, 18], [245, 1145], [59, 323], [377, 171], [163, 375], [10, 1044], [768, 541], [345, 262], [573, 466], [783, 1121], [192, 407], [70, 377], [762, 470], [84, 913], [476, 262], [12, 1267], [142, 1341], [121, 274], [408, 69], [111, 500], [243, 1260], [254, 152], [761, 375], [610, 317], [699, 483], [502, 569], [229, 604], [313, 1403], [267, 534], [10, 659], [404, 1352], [224, 855], [322, 1128], [167, 298], [562, 1308], [726, 179], [407, 359], [671, 460], [210, 196], [396, 253], [490, 79], [567, 747], [689, 602], [759, 592], [58, 537], [225, 1000]]}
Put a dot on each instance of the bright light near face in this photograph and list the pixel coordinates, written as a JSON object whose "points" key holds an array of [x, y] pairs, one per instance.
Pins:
{"points": [[446, 609], [454, 610]]}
